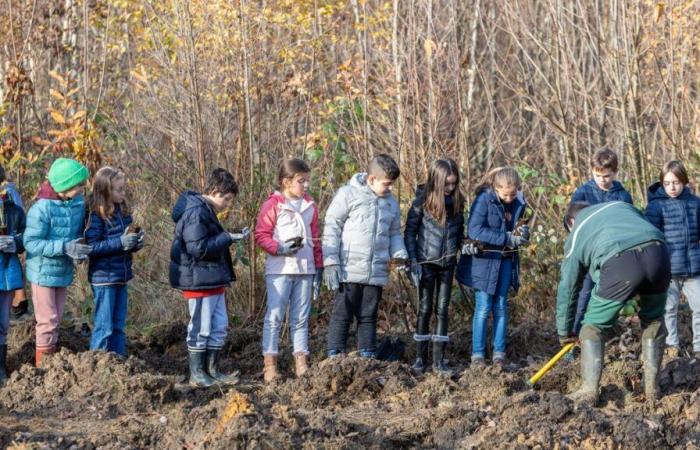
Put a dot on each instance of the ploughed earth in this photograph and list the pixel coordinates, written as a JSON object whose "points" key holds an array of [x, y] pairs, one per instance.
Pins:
{"points": [[83, 399]]}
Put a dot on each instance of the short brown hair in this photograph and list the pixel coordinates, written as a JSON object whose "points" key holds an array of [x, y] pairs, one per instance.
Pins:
{"points": [[676, 168], [221, 181], [604, 159], [384, 165]]}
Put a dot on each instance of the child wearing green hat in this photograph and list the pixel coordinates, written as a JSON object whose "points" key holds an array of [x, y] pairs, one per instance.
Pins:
{"points": [[52, 242]]}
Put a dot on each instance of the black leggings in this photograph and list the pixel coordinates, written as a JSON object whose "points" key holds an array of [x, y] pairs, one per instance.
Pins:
{"points": [[435, 281]]}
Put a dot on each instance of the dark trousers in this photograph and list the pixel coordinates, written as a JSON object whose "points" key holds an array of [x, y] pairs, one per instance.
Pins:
{"points": [[435, 293], [354, 301]]}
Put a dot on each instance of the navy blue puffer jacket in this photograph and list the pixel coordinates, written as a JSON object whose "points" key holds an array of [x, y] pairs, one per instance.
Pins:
{"points": [[109, 263], [678, 218], [199, 257], [488, 224], [591, 193]]}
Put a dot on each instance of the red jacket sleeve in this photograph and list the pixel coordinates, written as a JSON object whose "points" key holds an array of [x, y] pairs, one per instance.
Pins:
{"points": [[265, 227], [316, 239]]}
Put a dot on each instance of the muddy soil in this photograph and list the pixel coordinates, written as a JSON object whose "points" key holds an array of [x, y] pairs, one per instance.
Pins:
{"points": [[83, 399]]}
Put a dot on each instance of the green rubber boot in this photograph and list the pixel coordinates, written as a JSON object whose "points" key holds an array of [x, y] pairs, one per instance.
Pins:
{"points": [[653, 340], [591, 366]]}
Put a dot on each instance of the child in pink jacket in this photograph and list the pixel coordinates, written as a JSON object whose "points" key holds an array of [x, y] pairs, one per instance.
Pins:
{"points": [[287, 229]]}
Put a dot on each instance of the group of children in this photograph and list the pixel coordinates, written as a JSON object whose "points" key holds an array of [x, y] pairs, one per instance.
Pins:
{"points": [[360, 242]]}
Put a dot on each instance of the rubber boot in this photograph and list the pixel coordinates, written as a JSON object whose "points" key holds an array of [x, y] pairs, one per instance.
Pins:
{"points": [[653, 340], [40, 353], [421, 357], [3, 364], [591, 367], [270, 372], [439, 365], [301, 363], [213, 371], [198, 376]]}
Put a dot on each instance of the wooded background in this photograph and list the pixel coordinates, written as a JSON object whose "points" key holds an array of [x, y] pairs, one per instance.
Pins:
{"points": [[170, 89]]}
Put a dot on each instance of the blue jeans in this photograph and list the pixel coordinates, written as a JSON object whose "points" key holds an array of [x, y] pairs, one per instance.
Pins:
{"points": [[498, 305], [109, 319], [208, 323], [5, 304], [584, 297]]}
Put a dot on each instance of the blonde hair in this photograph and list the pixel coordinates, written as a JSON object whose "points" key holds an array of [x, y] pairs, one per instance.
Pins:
{"points": [[500, 177]]}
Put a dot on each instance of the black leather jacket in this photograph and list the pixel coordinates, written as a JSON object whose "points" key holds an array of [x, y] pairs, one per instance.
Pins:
{"points": [[428, 241]]}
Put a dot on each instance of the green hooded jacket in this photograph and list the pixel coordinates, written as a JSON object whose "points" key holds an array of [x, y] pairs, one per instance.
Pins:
{"points": [[600, 232]]}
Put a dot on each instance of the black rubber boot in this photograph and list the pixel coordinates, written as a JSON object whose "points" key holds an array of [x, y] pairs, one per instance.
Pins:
{"points": [[198, 377], [591, 366], [213, 371], [19, 312], [653, 340], [439, 364], [3, 364], [421, 357]]}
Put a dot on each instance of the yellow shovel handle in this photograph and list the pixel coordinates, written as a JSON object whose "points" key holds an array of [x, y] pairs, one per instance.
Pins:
{"points": [[536, 377]]}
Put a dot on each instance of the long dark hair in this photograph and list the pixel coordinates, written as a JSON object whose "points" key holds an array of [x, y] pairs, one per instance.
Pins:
{"points": [[434, 202]]}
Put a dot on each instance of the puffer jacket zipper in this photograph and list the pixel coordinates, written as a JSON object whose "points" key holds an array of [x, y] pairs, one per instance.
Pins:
{"points": [[374, 239]]}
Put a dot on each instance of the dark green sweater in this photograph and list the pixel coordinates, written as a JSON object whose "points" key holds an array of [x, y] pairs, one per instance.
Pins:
{"points": [[600, 232]]}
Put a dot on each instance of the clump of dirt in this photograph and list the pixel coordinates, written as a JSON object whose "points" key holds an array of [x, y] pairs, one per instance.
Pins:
{"points": [[337, 381], [97, 380]]}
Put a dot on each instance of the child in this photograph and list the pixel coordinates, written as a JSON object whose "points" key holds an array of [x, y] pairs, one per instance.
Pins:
{"points": [[434, 229], [603, 187], [20, 305], [52, 239], [201, 266], [492, 219], [292, 269], [110, 259], [12, 222], [362, 233], [675, 211]]}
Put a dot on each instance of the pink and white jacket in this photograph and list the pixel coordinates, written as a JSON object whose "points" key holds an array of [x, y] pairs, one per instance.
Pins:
{"points": [[278, 222]]}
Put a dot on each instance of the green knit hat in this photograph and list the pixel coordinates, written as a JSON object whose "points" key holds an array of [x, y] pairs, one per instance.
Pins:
{"points": [[66, 173]]}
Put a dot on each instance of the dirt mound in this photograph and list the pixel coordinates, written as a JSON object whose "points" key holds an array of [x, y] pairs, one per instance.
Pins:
{"points": [[342, 380], [96, 380]]}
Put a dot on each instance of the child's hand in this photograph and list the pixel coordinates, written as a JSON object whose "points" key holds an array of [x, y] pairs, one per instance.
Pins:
{"points": [[129, 241], [8, 244], [524, 231], [416, 273], [76, 250], [331, 277], [513, 241], [287, 249], [470, 249], [245, 232]]}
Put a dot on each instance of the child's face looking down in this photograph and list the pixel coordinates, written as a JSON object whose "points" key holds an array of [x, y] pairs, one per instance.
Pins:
{"points": [[672, 185], [507, 194], [220, 201], [604, 178], [119, 189], [296, 186], [73, 192], [450, 184], [380, 185]]}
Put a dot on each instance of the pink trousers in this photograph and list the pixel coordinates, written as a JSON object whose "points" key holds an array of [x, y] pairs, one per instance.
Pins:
{"points": [[48, 309]]}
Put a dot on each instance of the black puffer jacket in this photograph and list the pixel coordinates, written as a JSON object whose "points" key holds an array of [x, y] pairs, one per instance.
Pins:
{"points": [[426, 239], [199, 257]]}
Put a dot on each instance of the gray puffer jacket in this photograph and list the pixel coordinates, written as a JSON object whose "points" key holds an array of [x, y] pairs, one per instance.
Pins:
{"points": [[362, 233]]}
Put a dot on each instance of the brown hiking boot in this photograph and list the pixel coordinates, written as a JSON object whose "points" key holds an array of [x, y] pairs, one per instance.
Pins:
{"points": [[301, 361], [39, 355], [270, 371]]}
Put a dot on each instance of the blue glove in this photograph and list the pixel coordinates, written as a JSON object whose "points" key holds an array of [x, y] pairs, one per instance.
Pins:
{"points": [[514, 241]]}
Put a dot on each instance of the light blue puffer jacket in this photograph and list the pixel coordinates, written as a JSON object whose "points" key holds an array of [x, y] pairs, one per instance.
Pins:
{"points": [[51, 223], [362, 233]]}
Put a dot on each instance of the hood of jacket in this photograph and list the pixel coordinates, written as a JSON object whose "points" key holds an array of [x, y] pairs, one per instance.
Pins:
{"points": [[47, 192], [188, 200], [657, 192]]}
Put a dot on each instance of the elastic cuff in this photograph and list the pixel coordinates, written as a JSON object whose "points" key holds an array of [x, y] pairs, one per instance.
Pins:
{"points": [[476, 356], [196, 349], [422, 337], [214, 347], [438, 338], [499, 355], [270, 353]]}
